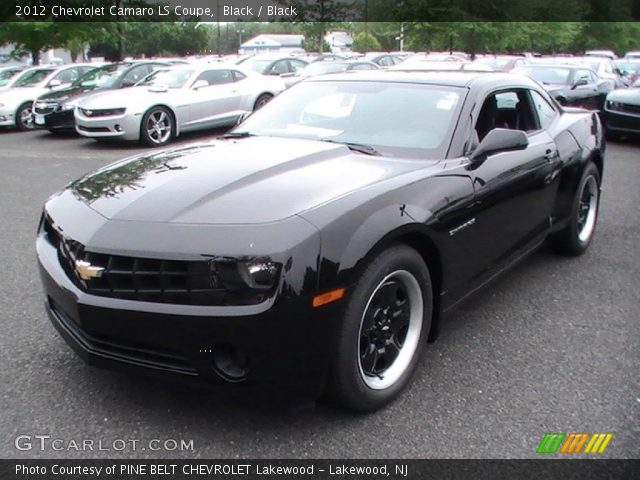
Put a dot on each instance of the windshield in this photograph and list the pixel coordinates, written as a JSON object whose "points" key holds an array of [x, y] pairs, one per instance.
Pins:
{"points": [[102, 77], [319, 68], [396, 119], [32, 77], [174, 78], [257, 65], [7, 75], [551, 75]]}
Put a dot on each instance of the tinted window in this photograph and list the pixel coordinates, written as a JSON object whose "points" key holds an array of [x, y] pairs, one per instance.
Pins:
{"points": [[362, 66], [69, 75], [280, 67], [216, 77], [238, 75], [545, 112], [33, 77], [135, 75], [296, 65]]}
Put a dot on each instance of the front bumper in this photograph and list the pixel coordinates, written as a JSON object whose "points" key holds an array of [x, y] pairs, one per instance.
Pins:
{"points": [[286, 342], [63, 120], [125, 127], [621, 122]]}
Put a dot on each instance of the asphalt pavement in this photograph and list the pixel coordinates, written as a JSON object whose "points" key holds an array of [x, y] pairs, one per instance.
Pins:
{"points": [[553, 346]]}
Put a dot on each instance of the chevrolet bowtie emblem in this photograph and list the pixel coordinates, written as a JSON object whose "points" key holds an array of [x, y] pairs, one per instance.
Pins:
{"points": [[86, 271]]}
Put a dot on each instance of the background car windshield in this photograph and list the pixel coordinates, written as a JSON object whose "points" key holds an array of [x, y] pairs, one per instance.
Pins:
{"points": [[167, 78], [319, 68], [33, 77], [6, 76], [103, 77], [556, 76], [258, 65], [396, 119]]}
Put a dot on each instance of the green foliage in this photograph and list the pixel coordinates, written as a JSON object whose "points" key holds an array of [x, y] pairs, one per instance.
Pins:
{"points": [[366, 42]]}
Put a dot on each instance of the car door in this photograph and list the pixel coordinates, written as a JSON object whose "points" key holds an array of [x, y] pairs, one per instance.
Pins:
{"points": [[513, 189], [584, 88], [215, 102]]}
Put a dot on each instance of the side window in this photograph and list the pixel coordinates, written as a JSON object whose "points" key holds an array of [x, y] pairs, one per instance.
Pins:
{"points": [[362, 66], [135, 75], [216, 77], [296, 65], [280, 67], [593, 77], [69, 75], [581, 75], [546, 113], [509, 109], [238, 75]]}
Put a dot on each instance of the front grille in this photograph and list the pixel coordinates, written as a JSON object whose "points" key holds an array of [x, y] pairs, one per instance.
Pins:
{"points": [[93, 129], [625, 107], [142, 355], [146, 279]]}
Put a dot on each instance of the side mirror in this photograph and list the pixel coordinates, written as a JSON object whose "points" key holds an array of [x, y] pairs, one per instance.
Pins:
{"points": [[579, 83], [499, 140], [54, 83], [200, 84]]}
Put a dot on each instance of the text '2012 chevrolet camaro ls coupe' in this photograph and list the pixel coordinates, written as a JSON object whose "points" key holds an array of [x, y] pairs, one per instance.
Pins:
{"points": [[314, 249]]}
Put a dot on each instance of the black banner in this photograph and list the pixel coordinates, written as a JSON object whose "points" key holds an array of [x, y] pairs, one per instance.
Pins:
{"points": [[318, 10], [543, 469]]}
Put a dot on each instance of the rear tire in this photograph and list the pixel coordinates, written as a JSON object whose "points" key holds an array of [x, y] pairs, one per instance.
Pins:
{"points": [[383, 332], [157, 127], [575, 238], [262, 100], [24, 117]]}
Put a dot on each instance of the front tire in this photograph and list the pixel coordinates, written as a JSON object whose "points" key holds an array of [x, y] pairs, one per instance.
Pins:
{"points": [[384, 330], [24, 117], [575, 238], [157, 127]]}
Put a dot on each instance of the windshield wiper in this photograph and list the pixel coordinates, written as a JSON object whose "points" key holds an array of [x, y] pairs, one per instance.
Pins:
{"points": [[356, 147], [237, 135]]}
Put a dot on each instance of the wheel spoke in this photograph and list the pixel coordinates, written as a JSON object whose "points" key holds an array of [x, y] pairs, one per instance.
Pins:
{"points": [[391, 352], [368, 357]]}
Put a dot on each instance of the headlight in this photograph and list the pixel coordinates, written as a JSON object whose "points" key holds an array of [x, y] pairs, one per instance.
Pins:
{"points": [[69, 106], [257, 275], [612, 105]]}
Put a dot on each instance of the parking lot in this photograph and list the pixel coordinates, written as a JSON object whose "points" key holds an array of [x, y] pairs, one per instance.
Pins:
{"points": [[553, 346]]}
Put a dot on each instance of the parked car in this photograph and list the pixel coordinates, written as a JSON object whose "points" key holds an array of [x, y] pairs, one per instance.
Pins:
{"points": [[383, 60], [54, 110], [322, 68], [9, 74], [502, 63], [170, 102], [622, 112], [629, 69], [444, 66], [572, 85], [601, 53], [316, 247], [632, 55], [273, 65], [604, 67], [16, 102]]}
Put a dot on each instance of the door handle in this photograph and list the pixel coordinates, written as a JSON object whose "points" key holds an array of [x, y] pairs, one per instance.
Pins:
{"points": [[550, 155]]}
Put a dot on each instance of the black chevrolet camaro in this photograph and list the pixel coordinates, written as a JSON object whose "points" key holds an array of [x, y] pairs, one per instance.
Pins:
{"points": [[315, 249]]}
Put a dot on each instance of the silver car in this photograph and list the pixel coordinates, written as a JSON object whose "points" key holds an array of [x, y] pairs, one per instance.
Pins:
{"points": [[16, 102], [170, 102]]}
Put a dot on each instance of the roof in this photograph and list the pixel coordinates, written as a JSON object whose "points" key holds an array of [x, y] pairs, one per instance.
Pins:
{"points": [[463, 79]]}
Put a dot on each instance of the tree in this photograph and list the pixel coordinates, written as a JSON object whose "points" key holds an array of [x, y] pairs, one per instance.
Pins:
{"points": [[365, 42]]}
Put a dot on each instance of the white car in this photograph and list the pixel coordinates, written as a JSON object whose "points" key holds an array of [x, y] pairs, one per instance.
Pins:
{"points": [[8, 75], [16, 102], [175, 100]]}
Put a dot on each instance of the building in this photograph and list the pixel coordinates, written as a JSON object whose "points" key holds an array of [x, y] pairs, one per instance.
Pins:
{"points": [[272, 43], [339, 41]]}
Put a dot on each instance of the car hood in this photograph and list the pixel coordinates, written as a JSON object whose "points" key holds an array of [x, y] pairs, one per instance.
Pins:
{"points": [[120, 97], [251, 180], [73, 93], [630, 96], [19, 94]]}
